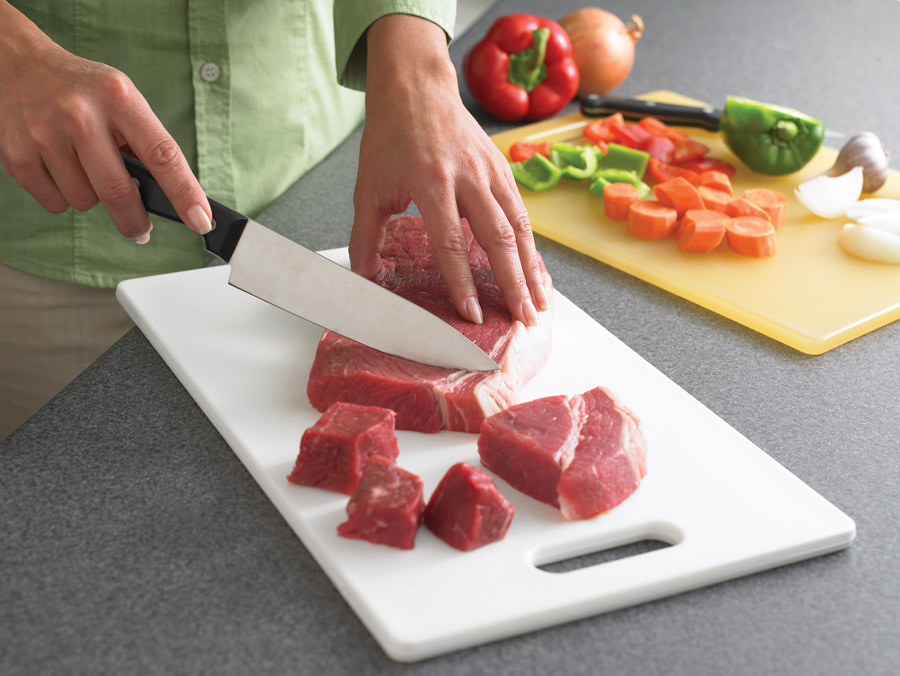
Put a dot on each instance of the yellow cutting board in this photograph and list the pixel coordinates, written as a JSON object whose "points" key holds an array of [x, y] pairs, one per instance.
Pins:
{"points": [[809, 295]]}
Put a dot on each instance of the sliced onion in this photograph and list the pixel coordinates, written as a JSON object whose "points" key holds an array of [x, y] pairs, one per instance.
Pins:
{"points": [[872, 206], [830, 196], [869, 243], [889, 222]]}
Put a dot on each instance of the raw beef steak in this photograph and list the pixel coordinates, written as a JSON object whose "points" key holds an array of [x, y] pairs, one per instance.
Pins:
{"points": [[386, 507], [584, 454], [334, 451], [428, 398], [466, 510]]}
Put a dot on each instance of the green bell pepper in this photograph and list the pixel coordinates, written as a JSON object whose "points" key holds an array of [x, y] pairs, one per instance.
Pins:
{"points": [[536, 173], [604, 177], [622, 157], [770, 139], [575, 161]]}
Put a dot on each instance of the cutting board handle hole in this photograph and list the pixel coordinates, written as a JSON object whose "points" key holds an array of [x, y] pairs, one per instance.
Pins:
{"points": [[602, 556], [595, 551]]}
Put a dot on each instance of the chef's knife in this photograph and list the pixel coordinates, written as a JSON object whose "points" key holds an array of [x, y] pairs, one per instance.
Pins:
{"points": [[705, 117], [305, 283]]}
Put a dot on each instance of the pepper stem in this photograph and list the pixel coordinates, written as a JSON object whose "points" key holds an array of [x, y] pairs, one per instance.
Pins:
{"points": [[786, 130], [527, 68]]}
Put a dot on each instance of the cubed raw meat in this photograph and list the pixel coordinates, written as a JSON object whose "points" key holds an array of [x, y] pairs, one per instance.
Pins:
{"points": [[584, 454], [386, 507], [466, 510], [334, 451]]}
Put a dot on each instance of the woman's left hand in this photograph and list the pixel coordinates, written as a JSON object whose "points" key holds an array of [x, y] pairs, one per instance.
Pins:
{"points": [[421, 145]]}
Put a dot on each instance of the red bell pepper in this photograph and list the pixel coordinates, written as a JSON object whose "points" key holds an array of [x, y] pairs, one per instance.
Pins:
{"points": [[522, 150], [522, 69]]}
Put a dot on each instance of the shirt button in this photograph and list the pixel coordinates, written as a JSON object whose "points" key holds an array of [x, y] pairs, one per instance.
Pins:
{"points": [[210, 72]]}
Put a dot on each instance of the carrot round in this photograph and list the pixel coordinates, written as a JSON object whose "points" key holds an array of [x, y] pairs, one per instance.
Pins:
{"points": [[696, 215], [617, 199], [679, 194], [770, 201], [750, 236], [650, 219], [744, 207], [714, 199], [717, 180], [701, 230]]}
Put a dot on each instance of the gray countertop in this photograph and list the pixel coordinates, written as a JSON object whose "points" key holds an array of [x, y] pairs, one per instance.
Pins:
{"points": [[132, 540]]}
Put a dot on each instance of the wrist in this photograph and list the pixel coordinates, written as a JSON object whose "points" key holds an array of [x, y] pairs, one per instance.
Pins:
{"points": [[407, 51]]}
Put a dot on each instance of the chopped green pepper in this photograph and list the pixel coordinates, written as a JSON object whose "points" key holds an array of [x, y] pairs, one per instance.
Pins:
{"points": [[604, 177], [536, 173], [770, 139], [575, 161], [622, 157]]}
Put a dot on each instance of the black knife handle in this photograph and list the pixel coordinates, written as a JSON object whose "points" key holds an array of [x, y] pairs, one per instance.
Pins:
{"points": [[229, 224], [705, 117]]}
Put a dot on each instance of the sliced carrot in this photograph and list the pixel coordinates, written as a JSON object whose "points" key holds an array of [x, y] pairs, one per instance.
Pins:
{"points": [[650, 219], [696, 215], [716, 200], [701, 230], [717, 180], [742, 207], [679, 194], [770, 201], [617, 199], [751, 236]]}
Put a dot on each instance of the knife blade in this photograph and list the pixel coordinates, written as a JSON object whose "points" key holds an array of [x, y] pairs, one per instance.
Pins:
{"points": [[281, 272]]}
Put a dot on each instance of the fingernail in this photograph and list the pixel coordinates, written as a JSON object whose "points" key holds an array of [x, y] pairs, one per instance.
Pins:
{"points": [[473, 309], [143, 239], [541, 297], [531, 315], [198, 220]]}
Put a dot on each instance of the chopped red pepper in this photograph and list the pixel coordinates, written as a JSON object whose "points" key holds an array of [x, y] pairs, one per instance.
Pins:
{"points": [[601, 130], [657, 127], [523, 68], [522, 150], [660, 172], [660, 147], [688, 150], [630, 135], [711, 164]]}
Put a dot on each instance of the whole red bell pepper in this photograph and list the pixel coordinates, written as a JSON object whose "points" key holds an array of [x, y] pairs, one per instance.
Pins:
{"points": [[522, 69]]}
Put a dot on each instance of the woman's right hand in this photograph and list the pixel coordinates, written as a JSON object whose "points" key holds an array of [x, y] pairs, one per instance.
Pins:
{"points": [[63, 121]]}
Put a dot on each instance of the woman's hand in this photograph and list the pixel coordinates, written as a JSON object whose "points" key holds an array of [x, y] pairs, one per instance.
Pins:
{"points": [[420, 144], [63, 120]]}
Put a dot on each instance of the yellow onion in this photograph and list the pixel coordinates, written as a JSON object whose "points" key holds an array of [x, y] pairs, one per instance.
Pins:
{"points": [[603, 48]]}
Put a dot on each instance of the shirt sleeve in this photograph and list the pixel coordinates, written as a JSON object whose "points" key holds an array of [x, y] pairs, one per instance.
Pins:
{"points": [[353, 17]]}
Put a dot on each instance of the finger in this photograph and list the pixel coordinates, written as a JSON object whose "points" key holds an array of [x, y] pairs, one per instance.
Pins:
{"points": [[34, 178], [448, 240], [159, 152], [115, 188], [510, 201], [367, 238], [64, 167], [498, 238]]}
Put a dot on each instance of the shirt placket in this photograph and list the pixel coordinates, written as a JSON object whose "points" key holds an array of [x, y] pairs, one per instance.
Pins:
{"points": [[211, 77]]}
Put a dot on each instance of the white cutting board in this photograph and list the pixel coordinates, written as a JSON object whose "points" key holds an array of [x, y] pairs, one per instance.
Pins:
{"points": [[727, 508]]}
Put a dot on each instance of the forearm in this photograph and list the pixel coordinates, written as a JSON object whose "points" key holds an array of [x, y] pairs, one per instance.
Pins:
{"points": [[407, 51]]}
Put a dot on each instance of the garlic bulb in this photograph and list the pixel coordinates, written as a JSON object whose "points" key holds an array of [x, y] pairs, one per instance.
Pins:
{"points": [[863, 150]]}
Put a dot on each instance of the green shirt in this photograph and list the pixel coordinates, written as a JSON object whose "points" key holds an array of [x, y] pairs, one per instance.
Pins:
{"points": [[248, 88]]}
